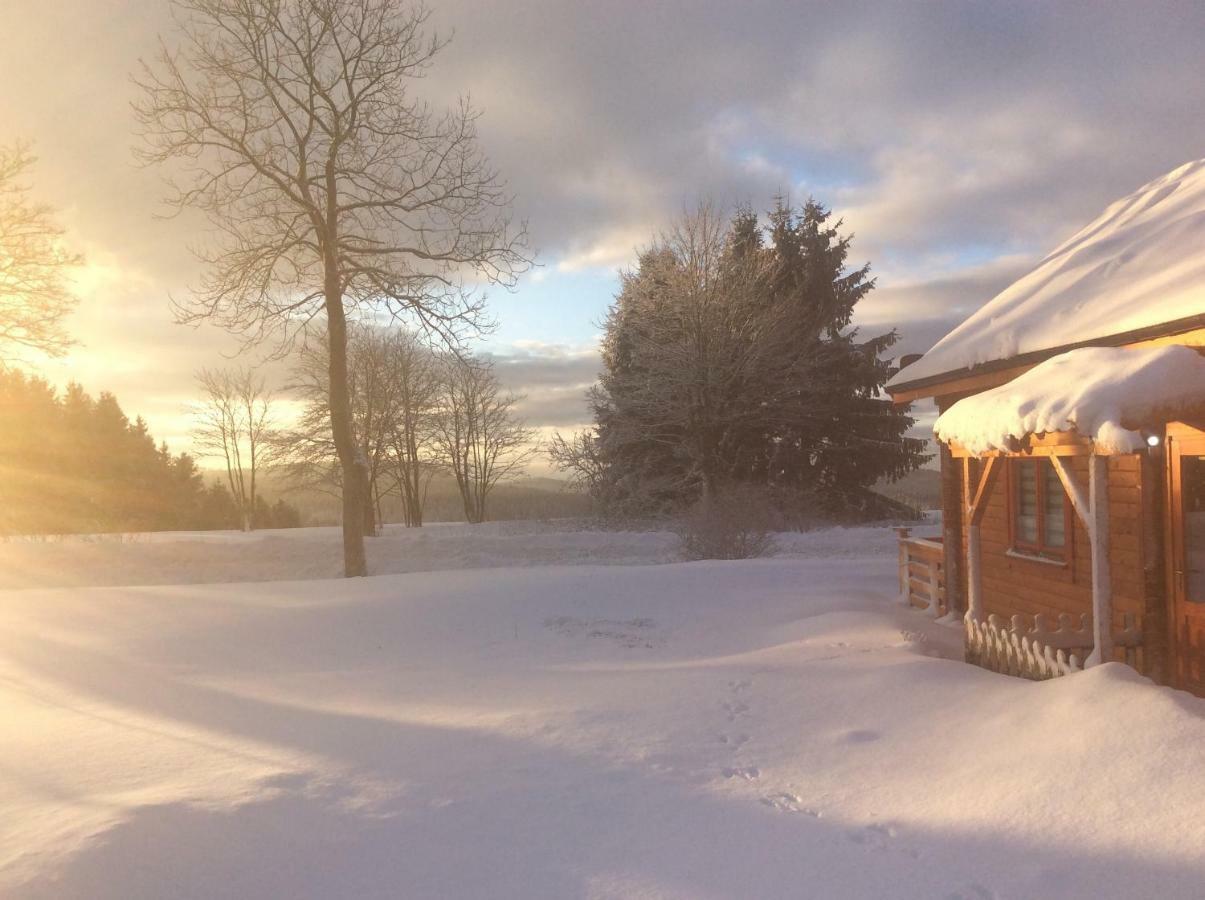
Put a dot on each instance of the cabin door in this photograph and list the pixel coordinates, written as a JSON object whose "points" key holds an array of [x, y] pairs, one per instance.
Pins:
{"points": [[1186, 457]]}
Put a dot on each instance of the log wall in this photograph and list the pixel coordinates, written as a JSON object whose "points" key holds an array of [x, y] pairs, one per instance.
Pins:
{"points": [[1014, 585]]}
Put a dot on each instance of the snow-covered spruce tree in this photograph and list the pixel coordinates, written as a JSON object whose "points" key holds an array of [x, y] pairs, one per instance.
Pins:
{"points": [[729, 358]]}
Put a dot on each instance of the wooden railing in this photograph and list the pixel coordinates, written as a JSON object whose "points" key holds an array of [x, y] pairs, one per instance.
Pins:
{"points": [[922, 572], [1031, 648]]}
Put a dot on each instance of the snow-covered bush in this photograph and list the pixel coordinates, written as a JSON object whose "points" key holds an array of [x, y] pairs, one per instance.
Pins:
{"points": [[732, 523]]}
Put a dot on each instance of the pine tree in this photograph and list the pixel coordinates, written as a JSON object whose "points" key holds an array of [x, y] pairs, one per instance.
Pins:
{"points": [[729, 358], [72, 464]]}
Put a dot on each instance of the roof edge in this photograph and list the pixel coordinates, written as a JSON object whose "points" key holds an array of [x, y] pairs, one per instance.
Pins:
{"points": [[1149, 332]]}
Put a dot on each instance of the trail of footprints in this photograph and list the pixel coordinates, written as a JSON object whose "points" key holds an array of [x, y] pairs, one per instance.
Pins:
{"points": [[736, 710], [877, 836]]}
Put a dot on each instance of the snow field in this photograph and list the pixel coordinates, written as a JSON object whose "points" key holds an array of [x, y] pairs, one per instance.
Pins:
{"points": [[768, 728]]}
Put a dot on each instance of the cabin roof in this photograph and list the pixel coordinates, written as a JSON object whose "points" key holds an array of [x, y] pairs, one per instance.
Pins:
{"points": [[1108, 395], [1136, 272]]}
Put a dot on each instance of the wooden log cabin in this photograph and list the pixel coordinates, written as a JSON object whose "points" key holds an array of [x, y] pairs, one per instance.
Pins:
{"points": [[1072, 452]]}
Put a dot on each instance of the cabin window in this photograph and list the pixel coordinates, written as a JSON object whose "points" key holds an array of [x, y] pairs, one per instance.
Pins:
{"points": [[1039, 511]]}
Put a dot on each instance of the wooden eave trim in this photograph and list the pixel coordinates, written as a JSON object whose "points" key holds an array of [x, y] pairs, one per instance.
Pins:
{"points": [[997, 372], [1056, 443]]}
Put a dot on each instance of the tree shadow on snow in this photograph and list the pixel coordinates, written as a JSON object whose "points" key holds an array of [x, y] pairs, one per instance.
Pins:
{"points": [[423, 811]]}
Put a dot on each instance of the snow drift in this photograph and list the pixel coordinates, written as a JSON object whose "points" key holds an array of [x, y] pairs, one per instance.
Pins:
{"points": [[754, 729], [1103, 393]]}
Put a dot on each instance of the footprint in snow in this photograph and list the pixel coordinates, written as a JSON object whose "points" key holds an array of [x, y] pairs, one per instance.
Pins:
{"points": [[735, 710], [789, 803], [974, 891], [735, 741], [861, 736], [738, 686], [873, 837], [748, 773]]}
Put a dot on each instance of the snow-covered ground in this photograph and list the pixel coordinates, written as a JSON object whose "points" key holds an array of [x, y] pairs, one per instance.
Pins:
{"points": [[214, 557], [508, 719]]}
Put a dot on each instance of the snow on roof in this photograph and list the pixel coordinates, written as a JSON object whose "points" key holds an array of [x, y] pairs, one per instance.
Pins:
{"points": [[1140, 264], [1103, 393]]}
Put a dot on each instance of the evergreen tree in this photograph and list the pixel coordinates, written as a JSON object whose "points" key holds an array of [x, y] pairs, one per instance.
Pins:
{"points": [[72, 464], [729, 358]]}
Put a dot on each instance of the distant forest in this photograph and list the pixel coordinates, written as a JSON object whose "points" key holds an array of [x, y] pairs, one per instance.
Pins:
{"points": [[73, 464], [524, 498]]}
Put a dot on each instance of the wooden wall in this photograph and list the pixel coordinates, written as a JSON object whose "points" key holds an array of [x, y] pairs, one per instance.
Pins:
{"points": [[1014, 585]]}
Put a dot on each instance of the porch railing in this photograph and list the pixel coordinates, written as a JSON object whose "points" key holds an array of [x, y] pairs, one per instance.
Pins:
{"points": [[1039, 650], [922, 572], [1031, 647]]}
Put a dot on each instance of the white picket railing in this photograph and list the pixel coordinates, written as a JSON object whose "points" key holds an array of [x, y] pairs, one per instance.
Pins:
{"points": [[1040, 651], [1004, 648]]}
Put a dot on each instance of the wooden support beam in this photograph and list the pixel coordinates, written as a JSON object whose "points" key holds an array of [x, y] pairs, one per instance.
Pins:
{"points": [[1092, 508], [1102, 587], [902, 535], [973, 504], [953, 552], [986, 478], [1075, 491]]}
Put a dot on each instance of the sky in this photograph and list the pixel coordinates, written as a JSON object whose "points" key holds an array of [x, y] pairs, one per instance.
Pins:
{"points": [[958, 142]]}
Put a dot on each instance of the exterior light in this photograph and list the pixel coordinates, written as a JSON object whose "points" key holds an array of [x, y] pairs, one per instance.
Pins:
{"points": [[1152, 440]]}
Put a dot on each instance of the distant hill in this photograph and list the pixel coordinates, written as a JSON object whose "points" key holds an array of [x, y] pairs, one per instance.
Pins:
{"points": [[538, 497], [920, 488], [525, 498]]}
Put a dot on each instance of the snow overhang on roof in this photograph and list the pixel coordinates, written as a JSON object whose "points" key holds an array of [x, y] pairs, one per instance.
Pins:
{"points": [[1138, 270], [1106, 394]]}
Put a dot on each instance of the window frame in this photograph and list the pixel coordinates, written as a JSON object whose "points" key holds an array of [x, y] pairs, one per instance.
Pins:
{"points": [[1039, 550]]}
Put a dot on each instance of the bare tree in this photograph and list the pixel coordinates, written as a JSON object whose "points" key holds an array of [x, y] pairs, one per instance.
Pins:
{"points": [[34, 295], [478, 436], [332, 187], [309, 456], [417, 386], [393, 387], [578, 457], [236, 424]]}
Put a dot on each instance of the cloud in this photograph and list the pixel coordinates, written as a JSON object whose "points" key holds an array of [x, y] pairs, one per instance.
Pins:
{"points": [[959, 141], [924, 310], [552, 379]]}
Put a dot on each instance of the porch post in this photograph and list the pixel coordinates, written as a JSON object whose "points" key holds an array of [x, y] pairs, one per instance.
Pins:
{"points": [[952, 514], [1102, 587], [974, 581], [905, 587]]}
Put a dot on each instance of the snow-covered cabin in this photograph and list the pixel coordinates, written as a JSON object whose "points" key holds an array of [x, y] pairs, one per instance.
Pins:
{"points": [[1072, 435]]}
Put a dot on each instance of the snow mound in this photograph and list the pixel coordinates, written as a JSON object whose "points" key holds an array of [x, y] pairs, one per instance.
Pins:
{"points": [[1139, 264], [1103, 393]]}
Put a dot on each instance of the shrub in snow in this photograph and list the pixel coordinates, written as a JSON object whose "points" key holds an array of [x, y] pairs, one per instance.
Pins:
{"points": [[732, 523]]}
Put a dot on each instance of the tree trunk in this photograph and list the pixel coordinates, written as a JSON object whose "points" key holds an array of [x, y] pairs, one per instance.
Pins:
{"points": [[354, 563], [342, 429], [367, 491]]}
